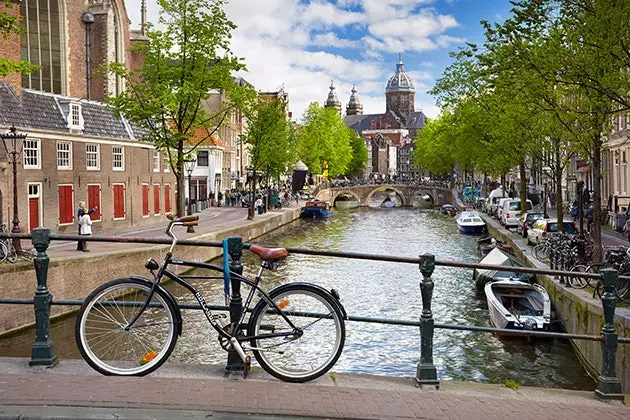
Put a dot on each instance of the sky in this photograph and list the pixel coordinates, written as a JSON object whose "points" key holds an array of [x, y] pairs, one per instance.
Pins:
{"points": [[303, 45]]}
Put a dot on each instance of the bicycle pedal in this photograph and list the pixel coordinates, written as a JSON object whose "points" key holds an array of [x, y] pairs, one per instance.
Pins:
{"points": [[248, 366]]}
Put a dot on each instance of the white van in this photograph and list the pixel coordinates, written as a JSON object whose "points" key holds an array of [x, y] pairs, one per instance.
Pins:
{"points": [[500, 208], [493, 200], [512, 210]]}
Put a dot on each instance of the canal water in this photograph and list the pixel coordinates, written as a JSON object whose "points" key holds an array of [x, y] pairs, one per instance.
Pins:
{"points": [[379, 289]]}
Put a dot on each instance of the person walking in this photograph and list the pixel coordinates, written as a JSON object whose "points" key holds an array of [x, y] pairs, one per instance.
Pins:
{"points": [[80, 212], [85, 227], [259, 205]]}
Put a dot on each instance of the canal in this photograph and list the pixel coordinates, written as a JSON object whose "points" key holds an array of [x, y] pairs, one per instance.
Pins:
{"points": [[379, 289]]}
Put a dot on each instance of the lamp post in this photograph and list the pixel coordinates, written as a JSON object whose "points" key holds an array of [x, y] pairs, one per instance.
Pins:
{"points": [[252, 196], [16, 147], [189, 166], [545, 199]]}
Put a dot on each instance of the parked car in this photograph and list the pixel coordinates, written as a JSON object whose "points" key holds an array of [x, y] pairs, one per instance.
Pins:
{"points": [[512, 210], [544, 227], [527, 220]]}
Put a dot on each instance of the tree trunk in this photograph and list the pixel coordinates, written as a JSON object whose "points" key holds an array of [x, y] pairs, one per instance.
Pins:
{"points": [[558, 175], [179, 174], [252, 209], [596, 225], [523, 187]]}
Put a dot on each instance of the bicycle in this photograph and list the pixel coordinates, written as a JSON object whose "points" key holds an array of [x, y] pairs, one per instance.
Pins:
{"points": [[7, 250], [130, 326], [617, 258]]}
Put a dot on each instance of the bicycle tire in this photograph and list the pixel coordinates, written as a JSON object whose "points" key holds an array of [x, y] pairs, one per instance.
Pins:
{"points": [[297, 364], [623, 289], [4, 251], [147, 349], [578, 282], [11, 253], [540, 252]]}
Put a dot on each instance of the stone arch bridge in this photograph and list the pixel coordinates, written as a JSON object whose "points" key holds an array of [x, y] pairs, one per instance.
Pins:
{"points": [[407, 193]]}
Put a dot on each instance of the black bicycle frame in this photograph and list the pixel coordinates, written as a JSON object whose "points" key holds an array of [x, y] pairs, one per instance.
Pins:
{"points": [[164, 272]]}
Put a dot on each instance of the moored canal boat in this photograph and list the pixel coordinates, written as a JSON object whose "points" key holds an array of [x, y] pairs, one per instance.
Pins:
{"points": [[496, 256], [470, 222], [316, 209], [518, 306]]}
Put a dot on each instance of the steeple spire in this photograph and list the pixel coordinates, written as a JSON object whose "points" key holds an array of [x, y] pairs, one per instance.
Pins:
{"points": [[333, 101], [354, 106]]}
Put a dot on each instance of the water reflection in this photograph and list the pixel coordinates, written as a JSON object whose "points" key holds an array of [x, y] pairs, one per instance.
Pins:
{"points": [[371, 288]]}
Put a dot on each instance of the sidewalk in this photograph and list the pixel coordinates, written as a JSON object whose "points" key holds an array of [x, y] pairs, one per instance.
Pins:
{"points": [[349, 397]]}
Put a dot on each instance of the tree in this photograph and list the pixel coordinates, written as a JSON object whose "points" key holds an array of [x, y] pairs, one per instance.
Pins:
{"points": [[270, 141], [183, 65], [359, 154], [10, 25], [323, 142]]}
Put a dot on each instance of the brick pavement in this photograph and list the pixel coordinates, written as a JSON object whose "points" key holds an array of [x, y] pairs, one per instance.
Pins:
{"points": [[272, 397]]}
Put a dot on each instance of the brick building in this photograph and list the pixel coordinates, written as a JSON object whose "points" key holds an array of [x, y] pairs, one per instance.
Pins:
{"points": [[76, 148]]}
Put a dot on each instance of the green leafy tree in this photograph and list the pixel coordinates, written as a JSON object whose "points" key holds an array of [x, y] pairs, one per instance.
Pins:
{"points": [[323, 141], [359, 154], [269, 139], [184, 64], [10, 26]]}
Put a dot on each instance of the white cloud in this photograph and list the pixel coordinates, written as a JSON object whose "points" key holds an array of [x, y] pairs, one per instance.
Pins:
{"points": [[287, 42]]}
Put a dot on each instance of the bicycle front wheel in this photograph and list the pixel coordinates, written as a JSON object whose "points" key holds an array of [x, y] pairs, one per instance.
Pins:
{"points": [[540, 252], [4, 251], [308, 351], [113, 347], [578, 282]]}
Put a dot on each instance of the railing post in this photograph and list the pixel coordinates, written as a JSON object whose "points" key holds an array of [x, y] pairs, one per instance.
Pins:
{"points": [[43, 350], [608, 385], [235, 249], [426, 373]]}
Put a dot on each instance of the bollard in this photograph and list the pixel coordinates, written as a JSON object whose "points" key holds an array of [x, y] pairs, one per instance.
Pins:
{"points": [[608, 385], [43, 350], [426, 373], [235, 249]]}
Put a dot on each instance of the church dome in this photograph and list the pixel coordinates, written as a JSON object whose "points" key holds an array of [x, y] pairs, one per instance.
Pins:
{"points": [[400, 82]]}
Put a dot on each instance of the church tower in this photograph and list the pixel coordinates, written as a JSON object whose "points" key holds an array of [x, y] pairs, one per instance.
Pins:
{"points": [[333, 101], [354, 106], [400, 92]]}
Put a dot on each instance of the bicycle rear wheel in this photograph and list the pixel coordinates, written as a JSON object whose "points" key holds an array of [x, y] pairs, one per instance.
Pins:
{"points": [[540, 252], [104, 337], [4, 251], [313, 349], [578, 282]]}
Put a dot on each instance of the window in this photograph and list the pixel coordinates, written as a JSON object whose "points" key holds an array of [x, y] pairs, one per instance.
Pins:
{"points": [[167, 166], [145, 200], [92, 156], [64, 155], [118, 158], [167, 198], [202, 158], [156, 199], [75, 119], [156, 161], [119, 201], [66, 207], [41, 44], [34, 205], [32, 151], [94, 201]]}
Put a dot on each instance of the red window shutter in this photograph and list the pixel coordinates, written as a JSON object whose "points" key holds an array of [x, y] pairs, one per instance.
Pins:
{"points": [[66, 209], [94, 201], [156, 198], [145, 200], [167, 198], [119, 201]]}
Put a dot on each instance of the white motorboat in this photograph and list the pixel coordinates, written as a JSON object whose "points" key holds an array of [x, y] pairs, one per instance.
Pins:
{"points": [[470, 222], [517, 305]]}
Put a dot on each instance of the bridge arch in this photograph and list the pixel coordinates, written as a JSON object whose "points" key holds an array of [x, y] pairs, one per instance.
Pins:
{"points": [[420, 196], [337, 194], [385, 188]]}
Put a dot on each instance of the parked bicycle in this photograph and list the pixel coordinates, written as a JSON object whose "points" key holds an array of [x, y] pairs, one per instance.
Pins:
{"points": [[7, 250], [615, 257], [129, 326]]}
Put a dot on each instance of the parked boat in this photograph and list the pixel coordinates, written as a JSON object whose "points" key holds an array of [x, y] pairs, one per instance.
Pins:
{"points": [[315, 209], [488, 243], [449, 209], [498, 257], [388, 203], [470, 222], [518, 306]]}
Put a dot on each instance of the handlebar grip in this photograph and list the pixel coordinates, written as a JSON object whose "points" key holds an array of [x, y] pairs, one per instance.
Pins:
{"points": [[188, 219], [191, 223]]}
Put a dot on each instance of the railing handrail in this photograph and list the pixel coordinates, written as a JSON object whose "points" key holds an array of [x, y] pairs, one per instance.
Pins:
{"points": [[609, 386]]}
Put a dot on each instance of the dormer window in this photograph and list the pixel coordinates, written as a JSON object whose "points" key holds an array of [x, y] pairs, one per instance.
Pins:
{"points": [[75, 118]]}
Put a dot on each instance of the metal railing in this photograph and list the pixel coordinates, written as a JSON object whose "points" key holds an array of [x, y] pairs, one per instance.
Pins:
{"points": [[608, 384]]}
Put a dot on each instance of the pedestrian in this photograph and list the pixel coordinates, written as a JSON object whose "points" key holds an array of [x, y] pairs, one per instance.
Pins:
{"points": [[297, 198], [589, 218], [85, 226], [80, 212], [219, 198], [259, 205]]}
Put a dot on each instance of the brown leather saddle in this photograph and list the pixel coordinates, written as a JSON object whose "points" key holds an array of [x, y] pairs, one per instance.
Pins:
{"points": [[269, 254]]}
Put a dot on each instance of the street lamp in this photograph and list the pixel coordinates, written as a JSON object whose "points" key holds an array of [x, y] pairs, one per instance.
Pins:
{"points": [[189, 166], [16, 147]]}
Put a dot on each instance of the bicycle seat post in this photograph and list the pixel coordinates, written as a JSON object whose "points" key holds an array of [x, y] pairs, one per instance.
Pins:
{"points": [[235, 249]]}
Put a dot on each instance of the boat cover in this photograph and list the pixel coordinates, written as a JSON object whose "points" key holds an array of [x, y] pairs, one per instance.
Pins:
{"points": [[498, 257]]}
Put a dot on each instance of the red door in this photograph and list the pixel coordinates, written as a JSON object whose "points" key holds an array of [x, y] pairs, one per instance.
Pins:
{"points": [[94, 201], [66, 208], [33, 213], [145, 199], [167, 198]]}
